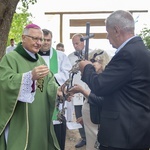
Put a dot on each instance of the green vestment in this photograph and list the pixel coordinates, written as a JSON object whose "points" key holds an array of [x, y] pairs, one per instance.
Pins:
{"points": [[30, 124]]}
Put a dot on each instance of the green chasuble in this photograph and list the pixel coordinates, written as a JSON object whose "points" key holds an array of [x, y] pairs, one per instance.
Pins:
{"points": [[30, 124]]}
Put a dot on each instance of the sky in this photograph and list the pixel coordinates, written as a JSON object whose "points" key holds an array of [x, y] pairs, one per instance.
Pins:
{"points": [[51, 22]]}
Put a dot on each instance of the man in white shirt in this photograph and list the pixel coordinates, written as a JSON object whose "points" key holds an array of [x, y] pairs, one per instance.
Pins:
{"points": [[78, 98], [60, 47], [11, 47]]}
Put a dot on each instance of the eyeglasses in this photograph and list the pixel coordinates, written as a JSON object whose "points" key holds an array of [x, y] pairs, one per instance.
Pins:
{"points": [[35, 39]]}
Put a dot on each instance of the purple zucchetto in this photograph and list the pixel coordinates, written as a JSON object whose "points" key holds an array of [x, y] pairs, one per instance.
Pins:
{"points": [[32, 26]]}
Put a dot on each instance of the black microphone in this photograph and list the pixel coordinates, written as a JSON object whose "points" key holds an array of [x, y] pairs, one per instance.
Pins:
{"points": [[79, 55], [76, 53]]}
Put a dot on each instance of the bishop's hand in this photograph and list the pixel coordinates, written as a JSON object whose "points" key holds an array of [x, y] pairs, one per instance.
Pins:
{"points": [[40, 72]]}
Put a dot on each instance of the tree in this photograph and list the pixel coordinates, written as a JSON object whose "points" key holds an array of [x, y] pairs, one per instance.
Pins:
{"points": [[7, 10], [145, 35], [20, 20]]}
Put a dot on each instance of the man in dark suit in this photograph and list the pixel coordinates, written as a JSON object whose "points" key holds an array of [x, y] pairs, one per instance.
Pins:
{"points": [[125, 86]]}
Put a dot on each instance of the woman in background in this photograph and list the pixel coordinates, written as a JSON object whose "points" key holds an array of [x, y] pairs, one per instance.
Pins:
{"points": [[99, 58]]}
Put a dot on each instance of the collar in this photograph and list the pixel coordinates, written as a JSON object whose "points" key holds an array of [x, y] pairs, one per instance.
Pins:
{"points": [[20, 50], [46, 53], [122, 45]]}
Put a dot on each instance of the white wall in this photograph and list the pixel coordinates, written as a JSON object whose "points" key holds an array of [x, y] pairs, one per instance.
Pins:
{"points": [[52, 22]]}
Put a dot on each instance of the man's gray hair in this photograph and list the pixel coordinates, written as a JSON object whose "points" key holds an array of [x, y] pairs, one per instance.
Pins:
{"points": [[123, 19]]}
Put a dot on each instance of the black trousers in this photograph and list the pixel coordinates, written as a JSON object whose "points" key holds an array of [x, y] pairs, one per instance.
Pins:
{"points": [[60, 131], [112, 148]]}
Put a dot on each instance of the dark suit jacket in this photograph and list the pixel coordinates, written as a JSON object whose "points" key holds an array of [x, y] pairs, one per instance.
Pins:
{"points": [[95, 105], [125, 86]]}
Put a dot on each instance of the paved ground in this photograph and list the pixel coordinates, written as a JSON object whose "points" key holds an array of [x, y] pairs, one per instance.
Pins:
{"points": [[72, 137]]}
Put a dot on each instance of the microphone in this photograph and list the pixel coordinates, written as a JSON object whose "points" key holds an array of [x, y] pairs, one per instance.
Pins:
{"points": [[76, 53], [79, 55]]}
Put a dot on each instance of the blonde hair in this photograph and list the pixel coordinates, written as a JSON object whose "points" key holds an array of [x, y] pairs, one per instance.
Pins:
{"points": [[100, 56]]}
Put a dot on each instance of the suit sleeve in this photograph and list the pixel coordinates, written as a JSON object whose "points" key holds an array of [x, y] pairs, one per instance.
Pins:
{"points": [[116, 74]]}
